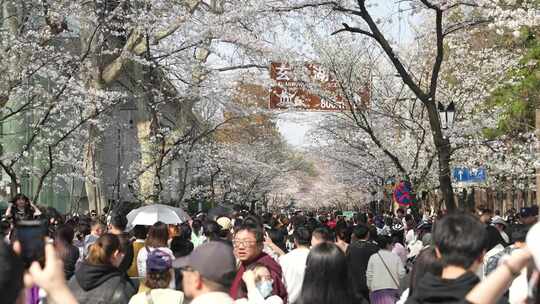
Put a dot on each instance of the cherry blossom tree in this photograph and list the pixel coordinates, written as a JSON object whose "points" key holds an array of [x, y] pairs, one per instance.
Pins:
{"points": [[356, 18]]}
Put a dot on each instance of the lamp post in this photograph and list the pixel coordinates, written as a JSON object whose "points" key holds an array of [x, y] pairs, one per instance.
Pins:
{"points": [[446, 114]]}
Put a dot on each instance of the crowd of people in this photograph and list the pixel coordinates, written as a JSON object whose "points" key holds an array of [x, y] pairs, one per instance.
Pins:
{"points": [[298, 257]]}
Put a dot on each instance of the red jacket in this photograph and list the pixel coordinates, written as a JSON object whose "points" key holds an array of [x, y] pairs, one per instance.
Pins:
{"points": [[238, 287]]}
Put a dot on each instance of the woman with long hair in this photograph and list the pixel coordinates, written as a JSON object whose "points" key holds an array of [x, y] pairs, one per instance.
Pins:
{"points": [[157, 238], [325, 279], [63, 243], [21, 208], [98, 279]]}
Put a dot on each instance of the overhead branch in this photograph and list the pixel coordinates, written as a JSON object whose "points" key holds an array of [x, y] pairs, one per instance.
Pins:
{"points": [[111, 72], [192, 6], [440, 53], [186, 138], [391, 54], [242, 67], [14, 183], [462, 3], [39, 126], [138, 44], [462, 25], [430, 5], [346, 10], [141, 48], [301, 7], [363, 123], [347, 28], [427, 168]]}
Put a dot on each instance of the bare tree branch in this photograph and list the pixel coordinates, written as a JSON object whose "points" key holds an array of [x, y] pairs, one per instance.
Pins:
{"points": [[242, 67], [301, 7], [137, 44], [440, 53], [44, 175], [347, 28]]}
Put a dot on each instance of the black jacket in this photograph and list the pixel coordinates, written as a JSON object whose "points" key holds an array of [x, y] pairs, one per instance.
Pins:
{"points": [[70, 260], [433, 289], [358, 254], [127, 249], [101, 284]]}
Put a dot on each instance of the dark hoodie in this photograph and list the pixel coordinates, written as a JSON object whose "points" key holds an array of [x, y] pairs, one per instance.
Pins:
{"points": [[100, 284], [433, 289]]}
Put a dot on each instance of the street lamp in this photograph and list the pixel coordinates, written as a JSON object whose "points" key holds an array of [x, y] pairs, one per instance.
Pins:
{"points": [[446, 114]]}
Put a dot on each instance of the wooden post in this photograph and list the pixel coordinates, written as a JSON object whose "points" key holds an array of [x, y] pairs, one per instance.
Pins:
{"points": [[538, 154]]}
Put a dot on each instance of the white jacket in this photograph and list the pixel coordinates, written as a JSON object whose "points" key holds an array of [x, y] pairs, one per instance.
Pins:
{"points": [[378, 276], [293, 265]]}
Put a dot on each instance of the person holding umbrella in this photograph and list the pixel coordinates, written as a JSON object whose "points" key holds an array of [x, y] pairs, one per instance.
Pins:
{"points": [[158, 236]]}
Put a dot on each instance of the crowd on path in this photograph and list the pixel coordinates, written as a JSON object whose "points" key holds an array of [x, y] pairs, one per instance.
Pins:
{"points": [[298, 257]]}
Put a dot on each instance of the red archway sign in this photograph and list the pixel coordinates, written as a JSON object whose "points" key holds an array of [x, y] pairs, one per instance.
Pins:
{"points": [[290, 93]]}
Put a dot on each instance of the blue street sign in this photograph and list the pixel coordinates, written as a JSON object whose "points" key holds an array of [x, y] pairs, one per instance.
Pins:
{"points": [[469, 175]]}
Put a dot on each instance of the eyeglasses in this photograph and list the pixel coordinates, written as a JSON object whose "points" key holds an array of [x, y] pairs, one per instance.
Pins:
{"points": [[244, 243]]}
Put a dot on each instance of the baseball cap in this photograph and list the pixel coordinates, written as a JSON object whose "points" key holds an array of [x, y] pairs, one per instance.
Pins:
{"points": [[225, 223], [526, 212], [214, 260], [158, 260]]}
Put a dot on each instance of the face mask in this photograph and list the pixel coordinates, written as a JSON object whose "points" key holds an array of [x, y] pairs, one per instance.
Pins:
{"points": [[265, 288]]}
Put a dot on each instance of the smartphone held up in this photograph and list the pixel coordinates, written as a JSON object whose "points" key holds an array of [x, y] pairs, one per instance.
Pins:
{"points": [[31, 236]]}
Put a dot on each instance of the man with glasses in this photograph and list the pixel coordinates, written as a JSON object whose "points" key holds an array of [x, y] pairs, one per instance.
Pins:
{"points": [[248, 248], [207, 273]]}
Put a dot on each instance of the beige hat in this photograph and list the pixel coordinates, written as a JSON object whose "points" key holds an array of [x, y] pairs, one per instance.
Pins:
{"points": [[225, 223]]}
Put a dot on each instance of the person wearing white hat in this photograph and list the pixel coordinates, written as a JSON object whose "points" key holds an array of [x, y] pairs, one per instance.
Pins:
{"points": [[501, 225]]}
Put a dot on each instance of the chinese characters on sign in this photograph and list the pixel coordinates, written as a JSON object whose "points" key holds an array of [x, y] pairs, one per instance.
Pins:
{"points": [[291, 93]]}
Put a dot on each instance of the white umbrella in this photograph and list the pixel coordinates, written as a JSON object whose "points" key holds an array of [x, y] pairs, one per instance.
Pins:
{"points": [[149, 215], [181, 213]]}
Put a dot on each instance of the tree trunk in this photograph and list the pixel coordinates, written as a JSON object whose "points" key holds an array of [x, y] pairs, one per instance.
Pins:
{"points": [[147, 180], [91, 39], [471, 200], [445, 180], [442, 144], [94, 186]]}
